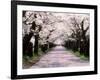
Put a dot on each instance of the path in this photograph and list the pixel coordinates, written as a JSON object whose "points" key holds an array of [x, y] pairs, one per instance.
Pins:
{"points": [[59, 57]]}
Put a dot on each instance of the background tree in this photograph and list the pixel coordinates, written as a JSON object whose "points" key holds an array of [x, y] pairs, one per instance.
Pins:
{"points": [[80, 32]]}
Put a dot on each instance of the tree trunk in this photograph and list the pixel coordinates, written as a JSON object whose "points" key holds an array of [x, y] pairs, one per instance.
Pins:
{"points": [[26, 43], [36, 45]]}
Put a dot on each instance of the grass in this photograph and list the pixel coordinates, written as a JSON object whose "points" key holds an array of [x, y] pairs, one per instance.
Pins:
{"points": [[29, 61], [81, 55]]}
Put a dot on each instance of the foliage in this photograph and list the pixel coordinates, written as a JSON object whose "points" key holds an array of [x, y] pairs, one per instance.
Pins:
{"points": [[48, 27], [80, 35]]}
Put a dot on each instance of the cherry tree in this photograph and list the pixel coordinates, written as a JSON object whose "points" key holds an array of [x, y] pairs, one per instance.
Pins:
{"points": [[32, 23], [80, 32], [37, 25], [41, 29]]}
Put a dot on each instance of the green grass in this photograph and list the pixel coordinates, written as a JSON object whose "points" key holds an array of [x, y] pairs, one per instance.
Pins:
{"points": [[29, 61], [81, 55]]}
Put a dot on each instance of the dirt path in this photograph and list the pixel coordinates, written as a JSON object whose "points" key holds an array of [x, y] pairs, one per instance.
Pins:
{"points": [[59, 57]]}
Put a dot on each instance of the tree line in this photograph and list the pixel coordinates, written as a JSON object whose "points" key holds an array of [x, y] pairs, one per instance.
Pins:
{"points": [[40, 26], [79, 38]]}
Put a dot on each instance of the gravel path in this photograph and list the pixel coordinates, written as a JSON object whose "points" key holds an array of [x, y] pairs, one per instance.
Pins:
{"points": [[59, 57]]}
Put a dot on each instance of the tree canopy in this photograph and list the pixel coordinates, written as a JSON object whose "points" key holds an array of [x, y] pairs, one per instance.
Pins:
{"points": [[53, 27]]}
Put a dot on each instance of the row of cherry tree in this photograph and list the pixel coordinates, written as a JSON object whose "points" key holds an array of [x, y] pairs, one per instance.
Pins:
{"points": [[42, 29], [80, 35], [38, 26]]}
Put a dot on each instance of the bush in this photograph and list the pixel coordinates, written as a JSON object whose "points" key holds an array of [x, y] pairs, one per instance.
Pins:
{"points": [[44, 47]]}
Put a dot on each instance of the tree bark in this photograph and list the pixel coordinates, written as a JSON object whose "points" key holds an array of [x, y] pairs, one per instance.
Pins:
{"points": [[36, 44], [26, 43]]}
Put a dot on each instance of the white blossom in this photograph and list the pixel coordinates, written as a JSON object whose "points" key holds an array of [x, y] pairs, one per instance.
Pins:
{"points": [[55, 25]]}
